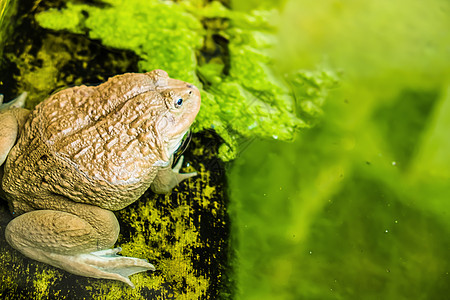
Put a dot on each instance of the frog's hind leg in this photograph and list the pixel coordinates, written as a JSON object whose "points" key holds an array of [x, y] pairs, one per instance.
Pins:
{"points": [[77, 244]]}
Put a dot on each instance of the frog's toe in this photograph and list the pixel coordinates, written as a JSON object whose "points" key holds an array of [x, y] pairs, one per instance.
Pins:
{"points": [[182, 176], [179, 164], [19, 101]]}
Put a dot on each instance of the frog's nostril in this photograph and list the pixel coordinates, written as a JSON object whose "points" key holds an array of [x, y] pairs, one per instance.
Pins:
{"points": [[190, 86]]}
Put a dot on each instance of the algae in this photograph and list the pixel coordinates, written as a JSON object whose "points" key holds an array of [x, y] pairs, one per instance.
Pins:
{"points": [[244, 96], [41, 67]]}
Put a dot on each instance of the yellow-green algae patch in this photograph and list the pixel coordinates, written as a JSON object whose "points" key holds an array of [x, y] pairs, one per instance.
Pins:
{"points": [[43, 68], [167, 233], [153, 228], [45, 278]]}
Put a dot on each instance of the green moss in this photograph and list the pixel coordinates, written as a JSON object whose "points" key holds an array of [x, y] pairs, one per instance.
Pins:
{"points": [[68, 21], [164, 35], [39, 82], [243, 95]]}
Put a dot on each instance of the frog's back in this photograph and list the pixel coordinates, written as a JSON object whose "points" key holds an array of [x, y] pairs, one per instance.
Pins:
{"points": [[83, 144]]}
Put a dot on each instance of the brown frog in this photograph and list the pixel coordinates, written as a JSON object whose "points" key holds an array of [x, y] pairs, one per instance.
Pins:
{"points": [[83, 153]]}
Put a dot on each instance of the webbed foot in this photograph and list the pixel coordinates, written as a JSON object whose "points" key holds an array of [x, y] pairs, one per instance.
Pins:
{"points": [[67, 241], [107, 264]]}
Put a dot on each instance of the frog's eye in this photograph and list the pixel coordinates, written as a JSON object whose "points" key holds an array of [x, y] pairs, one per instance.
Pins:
{"points": [[178, 102]]}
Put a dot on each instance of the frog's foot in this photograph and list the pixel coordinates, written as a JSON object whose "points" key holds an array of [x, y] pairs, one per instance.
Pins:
{"points": [[18, 102], [182, 176], [168, 178], [67, 241], [107, 264]]}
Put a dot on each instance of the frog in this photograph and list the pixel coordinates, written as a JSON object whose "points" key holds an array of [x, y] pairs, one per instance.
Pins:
{"points": [[83, 153]]}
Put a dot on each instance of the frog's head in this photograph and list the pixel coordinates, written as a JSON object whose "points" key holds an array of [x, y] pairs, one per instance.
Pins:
{"points": [[180, 103]]}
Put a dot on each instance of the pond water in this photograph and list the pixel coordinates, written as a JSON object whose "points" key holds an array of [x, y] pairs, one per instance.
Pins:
{"points": [[333, 216], [357, 207]]}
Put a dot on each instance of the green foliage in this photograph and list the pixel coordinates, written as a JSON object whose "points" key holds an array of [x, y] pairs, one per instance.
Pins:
{"points": [[243, 95]]}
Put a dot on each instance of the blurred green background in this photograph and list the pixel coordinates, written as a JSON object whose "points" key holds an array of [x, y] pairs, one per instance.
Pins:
{"points": [[358, 207]]}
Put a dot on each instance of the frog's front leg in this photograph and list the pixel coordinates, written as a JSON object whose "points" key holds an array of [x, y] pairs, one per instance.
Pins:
{"points": [[167, 178], [77, 241]]}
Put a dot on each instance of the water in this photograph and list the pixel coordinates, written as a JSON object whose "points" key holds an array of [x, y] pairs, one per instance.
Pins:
{"points": [[357, 207], [331, 216]]}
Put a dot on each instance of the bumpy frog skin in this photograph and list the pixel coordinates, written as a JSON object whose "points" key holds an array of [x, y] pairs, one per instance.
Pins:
{"points": [[84, 152]]}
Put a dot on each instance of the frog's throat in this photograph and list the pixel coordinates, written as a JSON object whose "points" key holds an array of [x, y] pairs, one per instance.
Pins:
{"points": [[172, 146], [175, 143]]}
